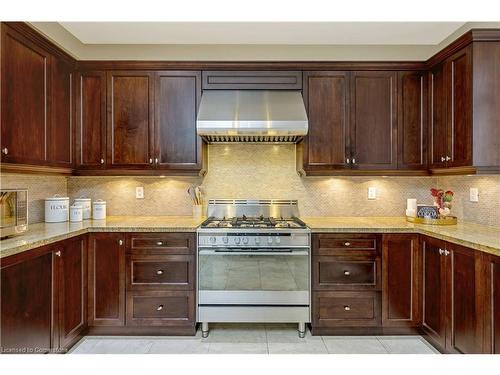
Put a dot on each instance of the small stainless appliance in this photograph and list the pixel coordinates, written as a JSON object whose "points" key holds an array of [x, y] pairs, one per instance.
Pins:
{"points": [[13, 211], [253, 264]]}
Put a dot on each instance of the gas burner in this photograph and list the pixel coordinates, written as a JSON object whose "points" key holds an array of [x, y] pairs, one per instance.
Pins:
{"points": [[253, 222]]}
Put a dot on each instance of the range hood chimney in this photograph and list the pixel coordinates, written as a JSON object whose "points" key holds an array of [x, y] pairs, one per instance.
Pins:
{"points": [[252, 116]]}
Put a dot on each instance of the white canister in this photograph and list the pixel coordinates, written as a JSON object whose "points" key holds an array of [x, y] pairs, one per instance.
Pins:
{"points": [[99, 209], [86, 206], [75, 213], [56, 209]]}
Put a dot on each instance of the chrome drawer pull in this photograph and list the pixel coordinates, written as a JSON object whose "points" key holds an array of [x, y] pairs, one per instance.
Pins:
{"points": [[347, 244], [347, 308], [159, 308], [159, 243], [441, 251], [347, 273], [159, 272], [58, 253]]}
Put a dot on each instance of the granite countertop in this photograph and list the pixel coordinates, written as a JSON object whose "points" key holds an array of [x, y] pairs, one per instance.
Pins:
{"points": [[475, 236], [46, 233], [479, 237]]}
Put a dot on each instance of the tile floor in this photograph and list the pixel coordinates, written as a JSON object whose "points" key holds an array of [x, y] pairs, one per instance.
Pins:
{"points": [[253, 339]]}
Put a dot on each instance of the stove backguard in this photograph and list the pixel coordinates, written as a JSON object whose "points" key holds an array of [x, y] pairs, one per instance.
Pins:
{"points": [[276, 208]]}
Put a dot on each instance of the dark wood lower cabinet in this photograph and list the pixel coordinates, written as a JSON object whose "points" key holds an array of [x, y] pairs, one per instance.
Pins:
{"points": [[27, 312], [401, 280], [491, 270], [106, 279]]}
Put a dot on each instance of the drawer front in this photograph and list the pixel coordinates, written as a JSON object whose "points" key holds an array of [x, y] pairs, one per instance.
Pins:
{"points": [[346, 309], [339, 274], [168, 272], [163, 243], [335, 244], [160, 308]]}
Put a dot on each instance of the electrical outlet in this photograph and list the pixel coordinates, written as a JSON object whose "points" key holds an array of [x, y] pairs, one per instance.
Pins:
{"points": [[372, 192], [139, 192], [474, 194]]}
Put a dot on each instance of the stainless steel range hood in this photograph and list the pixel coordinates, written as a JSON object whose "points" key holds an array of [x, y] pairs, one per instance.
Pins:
{"points": [[252, 116]]}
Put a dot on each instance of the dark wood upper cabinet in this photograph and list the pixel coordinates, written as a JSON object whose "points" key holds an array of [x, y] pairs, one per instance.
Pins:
{"points": [[106, 279], [60, 127], [27, 311], [177, 96], [401, 280], [130, 128], [434, 291], [412, 125], [72, 290], [438, 140], [326, 101], [91, 120], [491, 270], [25, 96], [373, 124]]}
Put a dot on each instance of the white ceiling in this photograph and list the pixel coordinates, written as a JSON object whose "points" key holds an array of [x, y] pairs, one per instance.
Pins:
{"points": [[283, 33]]}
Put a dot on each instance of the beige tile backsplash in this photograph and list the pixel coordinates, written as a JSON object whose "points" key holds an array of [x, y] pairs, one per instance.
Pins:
{"points": [[266, 171]]}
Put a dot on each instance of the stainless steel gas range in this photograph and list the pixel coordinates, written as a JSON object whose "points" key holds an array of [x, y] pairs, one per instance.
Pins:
{"points": [[253, 264]]}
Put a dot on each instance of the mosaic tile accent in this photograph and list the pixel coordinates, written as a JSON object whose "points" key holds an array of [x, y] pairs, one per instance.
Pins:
{"points": [[39, 187]]}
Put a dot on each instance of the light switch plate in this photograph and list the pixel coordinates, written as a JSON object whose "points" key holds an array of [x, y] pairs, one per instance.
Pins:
{"points": [[139, 192], [372, 193], [474, 194]]}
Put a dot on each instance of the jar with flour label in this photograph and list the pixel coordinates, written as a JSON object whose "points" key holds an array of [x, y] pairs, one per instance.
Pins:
{"points": [[56, 209], [99, 209]]}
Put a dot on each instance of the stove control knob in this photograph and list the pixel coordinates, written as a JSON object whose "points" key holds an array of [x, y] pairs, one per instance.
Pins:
{"points": [[245, 240], [278, 240], [213, 240], [225, 239], [269, 240], [237, 240], [257, 240]]}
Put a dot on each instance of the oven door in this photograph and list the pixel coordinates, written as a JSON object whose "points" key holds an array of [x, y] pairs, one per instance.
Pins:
{"points": [[270, 277]]}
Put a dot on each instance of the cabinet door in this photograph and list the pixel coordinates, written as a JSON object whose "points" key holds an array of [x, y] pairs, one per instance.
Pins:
{"points": [[91, 120], [326, 101], [178, 147], [434, 309], [438, 143], [25, 90], [106, 281], [492, 304], [72, 291], [60, 126], [412, 132], [27, 308], [401, 280], [460, 108], [130, 119], [373, 126], [464, 326]]}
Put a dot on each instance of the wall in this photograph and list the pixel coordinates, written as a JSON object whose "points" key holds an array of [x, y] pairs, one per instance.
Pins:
{"points": [[267, 171], [39, 187]]}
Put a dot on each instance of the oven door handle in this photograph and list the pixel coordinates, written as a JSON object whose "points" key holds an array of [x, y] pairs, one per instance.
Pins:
{"points": [[225, 252]]}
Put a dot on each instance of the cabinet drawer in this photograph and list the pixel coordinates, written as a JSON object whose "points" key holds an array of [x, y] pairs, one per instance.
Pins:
{"points": [[162, 243], [167, 272], [160, 308], [334, 244], [340, 274], [346, 309]]}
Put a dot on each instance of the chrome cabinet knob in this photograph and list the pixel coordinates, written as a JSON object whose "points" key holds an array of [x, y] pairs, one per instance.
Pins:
{"points": [[159, 308], [447, 158], [441, 251], [446, 252], [150, 160], [353, 160], [347, 244], [159, 272], [156, 160], [443, 158], [347, 273], [159, 243], [120, 242], [102, 161], [348, 161], [5, 150], [58, 253], [347, 308]]}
